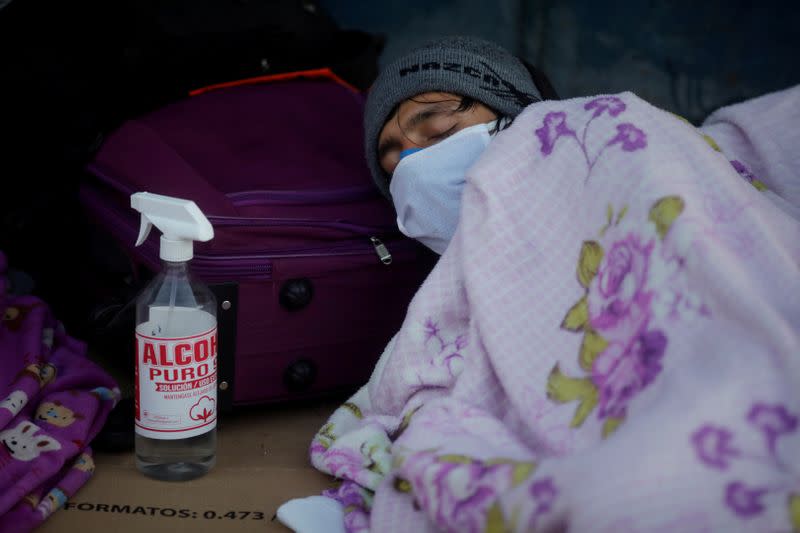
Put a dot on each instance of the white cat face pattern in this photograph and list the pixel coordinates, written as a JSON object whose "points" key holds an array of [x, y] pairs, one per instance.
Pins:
{"points": [[15, 402], [24, 445]]}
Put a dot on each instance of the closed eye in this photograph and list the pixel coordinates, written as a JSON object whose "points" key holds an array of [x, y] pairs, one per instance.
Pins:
{"points": [[445, 134]]}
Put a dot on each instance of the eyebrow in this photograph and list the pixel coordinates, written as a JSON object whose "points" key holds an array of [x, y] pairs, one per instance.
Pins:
{"points": [[415, 120], [424, 114]]}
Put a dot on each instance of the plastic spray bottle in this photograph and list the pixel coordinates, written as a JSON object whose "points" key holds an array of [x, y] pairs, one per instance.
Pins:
{"points": [[176, 348]]}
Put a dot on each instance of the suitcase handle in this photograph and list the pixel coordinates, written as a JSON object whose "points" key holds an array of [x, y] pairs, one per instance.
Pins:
{"points": [[314, 74]]}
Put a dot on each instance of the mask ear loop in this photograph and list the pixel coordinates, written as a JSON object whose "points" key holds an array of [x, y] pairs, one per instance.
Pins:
{"points": [[541, 81]]}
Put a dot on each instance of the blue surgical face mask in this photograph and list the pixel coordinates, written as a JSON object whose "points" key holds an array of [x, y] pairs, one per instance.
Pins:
{"points": [[427, 183]]}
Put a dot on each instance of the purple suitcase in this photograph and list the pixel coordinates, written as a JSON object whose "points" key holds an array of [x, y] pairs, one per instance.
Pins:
{"points": [[312, 276]]}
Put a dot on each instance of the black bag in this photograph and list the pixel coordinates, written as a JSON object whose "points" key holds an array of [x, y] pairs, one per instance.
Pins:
{"points": [[180, 45], [72, 72]]}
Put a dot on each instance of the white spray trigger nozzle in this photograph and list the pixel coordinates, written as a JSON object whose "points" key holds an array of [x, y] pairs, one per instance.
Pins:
{"points": [[144, 230], [180, 221]]}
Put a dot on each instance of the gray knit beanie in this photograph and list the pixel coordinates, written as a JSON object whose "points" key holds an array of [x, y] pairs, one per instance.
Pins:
{"points": [[465, 66]]}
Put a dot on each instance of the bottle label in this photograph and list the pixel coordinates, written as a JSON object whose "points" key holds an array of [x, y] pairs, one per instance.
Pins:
{"points": [[176, 381]]}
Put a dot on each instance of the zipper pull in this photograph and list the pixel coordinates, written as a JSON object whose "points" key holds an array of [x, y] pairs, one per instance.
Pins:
{"points": [[381, 250]]}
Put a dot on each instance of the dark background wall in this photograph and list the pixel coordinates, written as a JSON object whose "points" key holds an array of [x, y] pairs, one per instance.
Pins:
{"points": [[64, 76], [686, 56]]}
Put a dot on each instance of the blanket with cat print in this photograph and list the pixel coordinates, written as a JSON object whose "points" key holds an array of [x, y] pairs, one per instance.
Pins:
{"points": [[611, 342], [53, 402]]}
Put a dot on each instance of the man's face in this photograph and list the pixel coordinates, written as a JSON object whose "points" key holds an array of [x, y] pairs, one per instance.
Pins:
{"points": [[424, 120]]}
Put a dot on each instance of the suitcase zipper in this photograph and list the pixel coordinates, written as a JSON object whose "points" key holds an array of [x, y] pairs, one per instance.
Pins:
{"points": [[267, 196], [273, 197], [256, 265], [261, 265], [355, 247], [381, 250], [341, 225], [314, 196]]}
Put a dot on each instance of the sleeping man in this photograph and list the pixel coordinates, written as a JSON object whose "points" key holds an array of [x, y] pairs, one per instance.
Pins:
{"points": [[610, 340]]}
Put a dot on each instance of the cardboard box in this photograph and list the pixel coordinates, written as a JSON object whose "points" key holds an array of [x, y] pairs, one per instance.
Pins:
{"points": [[262, 461]]}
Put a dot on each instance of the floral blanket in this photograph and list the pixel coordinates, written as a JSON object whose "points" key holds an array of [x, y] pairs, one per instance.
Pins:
{"points": [[53, 402], [611, 343]]}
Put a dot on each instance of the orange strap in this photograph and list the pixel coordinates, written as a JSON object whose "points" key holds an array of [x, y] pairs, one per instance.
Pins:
{"points": [[320, 73]]}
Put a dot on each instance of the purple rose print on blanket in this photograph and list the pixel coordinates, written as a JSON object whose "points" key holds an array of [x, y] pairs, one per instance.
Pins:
{"points": [[344, 463], [747, 175], [444, 350], [622, 370], [357, 501], [461, 493], [361, 455], [554, 126], [629, 286], [744, 501], [449, 352], [544, 493], [613, 105], [774, 421], [619, 297], [715, 448], [630, 137]]}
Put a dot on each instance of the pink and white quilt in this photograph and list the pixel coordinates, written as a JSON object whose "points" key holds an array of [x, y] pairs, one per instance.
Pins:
{"points": [[611, 342]]}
